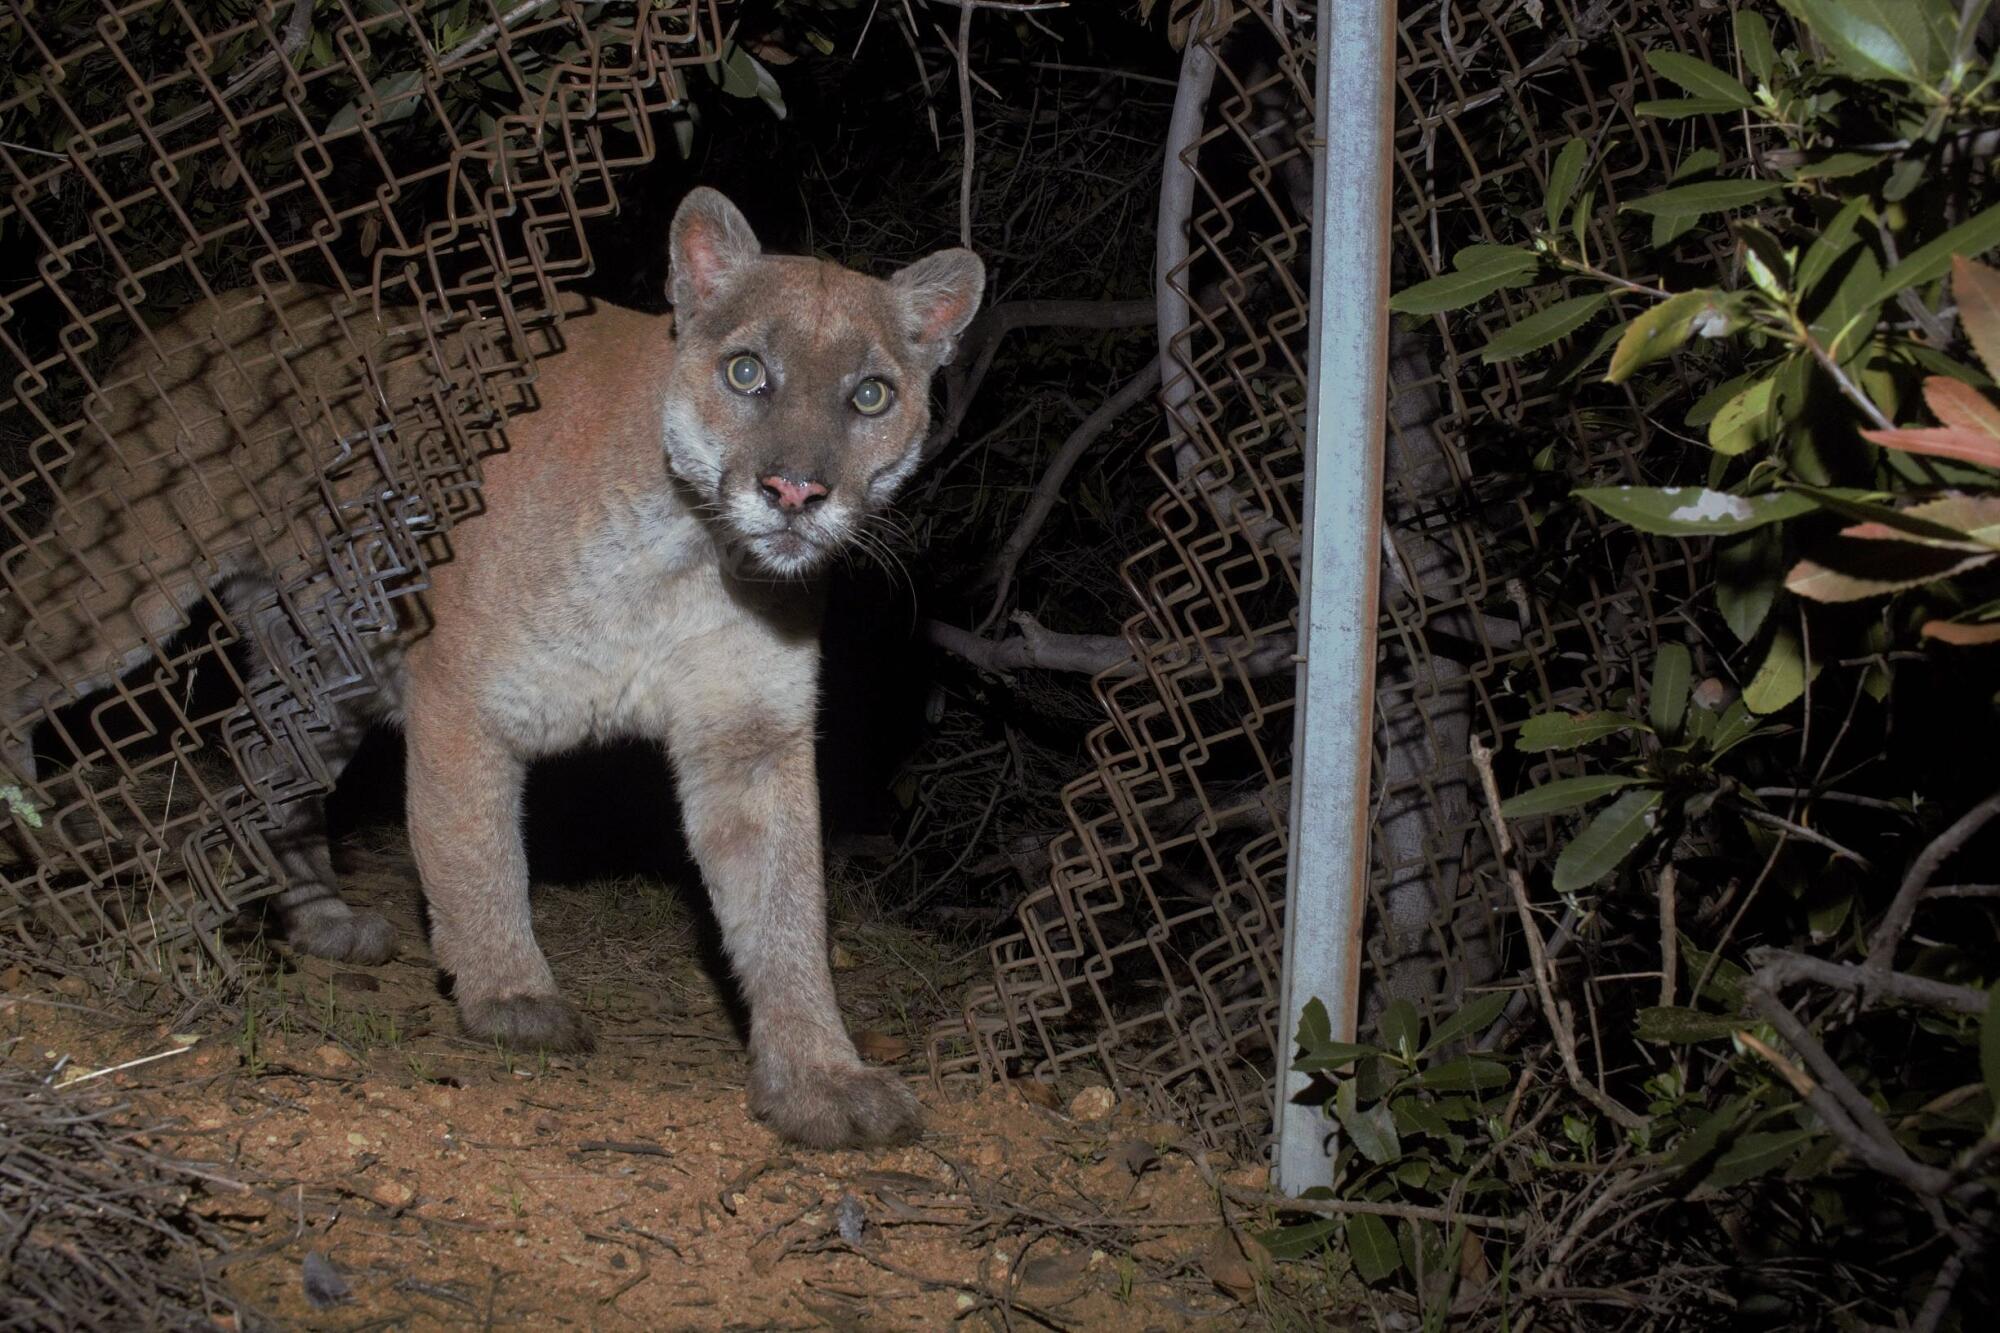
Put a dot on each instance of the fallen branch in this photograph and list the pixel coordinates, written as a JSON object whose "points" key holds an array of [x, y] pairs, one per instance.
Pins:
{"points": [[1350, 1207], [982, 342]]}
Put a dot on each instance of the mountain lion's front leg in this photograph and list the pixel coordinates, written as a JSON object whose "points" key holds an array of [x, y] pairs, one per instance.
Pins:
{"points": [[465, 829], [743, 756]]}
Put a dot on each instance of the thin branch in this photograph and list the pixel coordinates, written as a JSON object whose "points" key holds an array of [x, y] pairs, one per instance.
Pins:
{"points": [[1055, 477], [487, 35], [1043, 649], [1896, 921], [1801, 831], [1351, 1207], [965, 117], [980, 343], [1557, 1013]]}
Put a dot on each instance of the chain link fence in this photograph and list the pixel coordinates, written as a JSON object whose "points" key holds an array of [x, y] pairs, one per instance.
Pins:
{"points": [[430, 170], [1151, 958]]}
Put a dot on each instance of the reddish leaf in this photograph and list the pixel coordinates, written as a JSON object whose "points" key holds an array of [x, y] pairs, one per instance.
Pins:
{"points": [[1882, 532], [1953, 631], [1948, 442], [1961, 406], [1824, 583], [1978, 290]]}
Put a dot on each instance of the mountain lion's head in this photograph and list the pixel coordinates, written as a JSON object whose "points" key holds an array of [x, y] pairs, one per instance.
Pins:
{"points": [[800, 392]]}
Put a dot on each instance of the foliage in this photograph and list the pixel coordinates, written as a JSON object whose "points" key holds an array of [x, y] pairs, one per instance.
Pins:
{"points": [[1734, 1031]]}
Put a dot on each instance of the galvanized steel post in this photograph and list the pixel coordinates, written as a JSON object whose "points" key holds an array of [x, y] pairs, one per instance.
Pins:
{"points": [[1347, 400]]}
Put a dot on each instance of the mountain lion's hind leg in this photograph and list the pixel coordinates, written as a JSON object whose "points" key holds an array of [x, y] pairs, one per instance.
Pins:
{"points": [[751, 803], [315, 918]]}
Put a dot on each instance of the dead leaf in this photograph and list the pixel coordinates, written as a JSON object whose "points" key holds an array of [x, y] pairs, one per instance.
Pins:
{"points": [[1054, 1269], [1038, 1093], [1966, 446], [880, 1046], [1977, 288], [1234, 1263], [1962, 634], [1960, 406]]}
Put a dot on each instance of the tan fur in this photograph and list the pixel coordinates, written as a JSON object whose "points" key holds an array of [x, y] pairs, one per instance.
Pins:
{"points": [[633, 573]]}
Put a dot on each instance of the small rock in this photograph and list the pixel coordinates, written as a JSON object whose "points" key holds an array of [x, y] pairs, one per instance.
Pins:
{"points": [[357, 1139], [989, 1154], [966, 1300], [74, 987], [332, 1058], [842, 959], [356, 981], [12, 978], [850, 1219], [1093, 1104], [395, 1194], [325, 1287], [1037, 1093]]}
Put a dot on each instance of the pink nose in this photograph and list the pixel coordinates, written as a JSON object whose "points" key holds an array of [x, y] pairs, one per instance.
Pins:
{"points": [[791, 496]]}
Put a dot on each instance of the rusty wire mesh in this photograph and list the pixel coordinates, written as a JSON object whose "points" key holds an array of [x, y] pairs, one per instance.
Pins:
{"points": [[160, 155], [1151, 958]]}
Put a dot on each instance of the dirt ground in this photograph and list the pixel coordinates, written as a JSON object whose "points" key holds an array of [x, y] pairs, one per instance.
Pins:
{"points": [[451, 1185]]}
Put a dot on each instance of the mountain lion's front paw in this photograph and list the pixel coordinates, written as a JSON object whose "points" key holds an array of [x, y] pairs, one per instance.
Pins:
{"points": [[845, 1106], [527, 1022]]}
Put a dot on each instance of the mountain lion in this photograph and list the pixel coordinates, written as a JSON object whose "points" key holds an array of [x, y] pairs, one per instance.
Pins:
{"points": [[635, 571]]}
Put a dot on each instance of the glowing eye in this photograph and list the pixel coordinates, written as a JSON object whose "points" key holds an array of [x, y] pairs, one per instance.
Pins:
{"points": [[871, 397], [745, 373]]}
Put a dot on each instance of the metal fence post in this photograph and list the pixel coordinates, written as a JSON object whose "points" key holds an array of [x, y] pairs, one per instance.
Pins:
{"points": [[1341, 561]]}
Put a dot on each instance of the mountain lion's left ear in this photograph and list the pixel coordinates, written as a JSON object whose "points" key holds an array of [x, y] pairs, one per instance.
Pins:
{"points": [[710, 241], [941, 294]]}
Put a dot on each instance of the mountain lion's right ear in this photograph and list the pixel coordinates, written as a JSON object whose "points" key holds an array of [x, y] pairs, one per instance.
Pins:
{"points": [[940, 295], [709, 242]]}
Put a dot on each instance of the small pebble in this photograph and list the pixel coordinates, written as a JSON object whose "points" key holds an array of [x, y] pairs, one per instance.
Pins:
{"points": [[1093, 1104]]}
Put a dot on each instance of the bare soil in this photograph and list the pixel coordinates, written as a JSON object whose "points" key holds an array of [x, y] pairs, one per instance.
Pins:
{"points": [[452, 1185]]}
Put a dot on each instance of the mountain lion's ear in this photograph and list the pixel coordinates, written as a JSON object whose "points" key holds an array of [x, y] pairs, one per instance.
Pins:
{"points": [[941, 293], [709, 242]]}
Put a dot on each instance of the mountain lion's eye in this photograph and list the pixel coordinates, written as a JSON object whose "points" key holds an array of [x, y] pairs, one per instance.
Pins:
{"points": [[871, 397], [745, 373]]}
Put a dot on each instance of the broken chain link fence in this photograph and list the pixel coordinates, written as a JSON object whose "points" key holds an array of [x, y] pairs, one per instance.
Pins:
{"points": [[435, 167], [1151, 958]]}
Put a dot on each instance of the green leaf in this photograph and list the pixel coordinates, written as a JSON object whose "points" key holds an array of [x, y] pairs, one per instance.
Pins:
{"points": [[1705, 197], [1373, 1248], [1927, 263], [1552, 798], [1834, 240], [1699, 77], [1748, 574], [1782, 678], [1466, 1074], [1832, 166], [1661, 330], [1400, 1028], [1480, 271], [1989, 1046], [744, 76], [1603, 844], [1753, 43], [1742, 423], [1293, 1243], [1325, 1057], [1753, 1155], [1542, 328], [1875, 39], [1373, 1131], [1566, 731], [1473, 1017], [1673, 675], [1315, 1024], [1679, 1026], [1563, 179], [1690, 511], [1680, 108]]}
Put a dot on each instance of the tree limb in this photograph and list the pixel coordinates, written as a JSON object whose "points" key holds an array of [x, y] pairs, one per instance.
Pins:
{"points": [[1042, 503], [1781, 968], [1896, 921]]}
